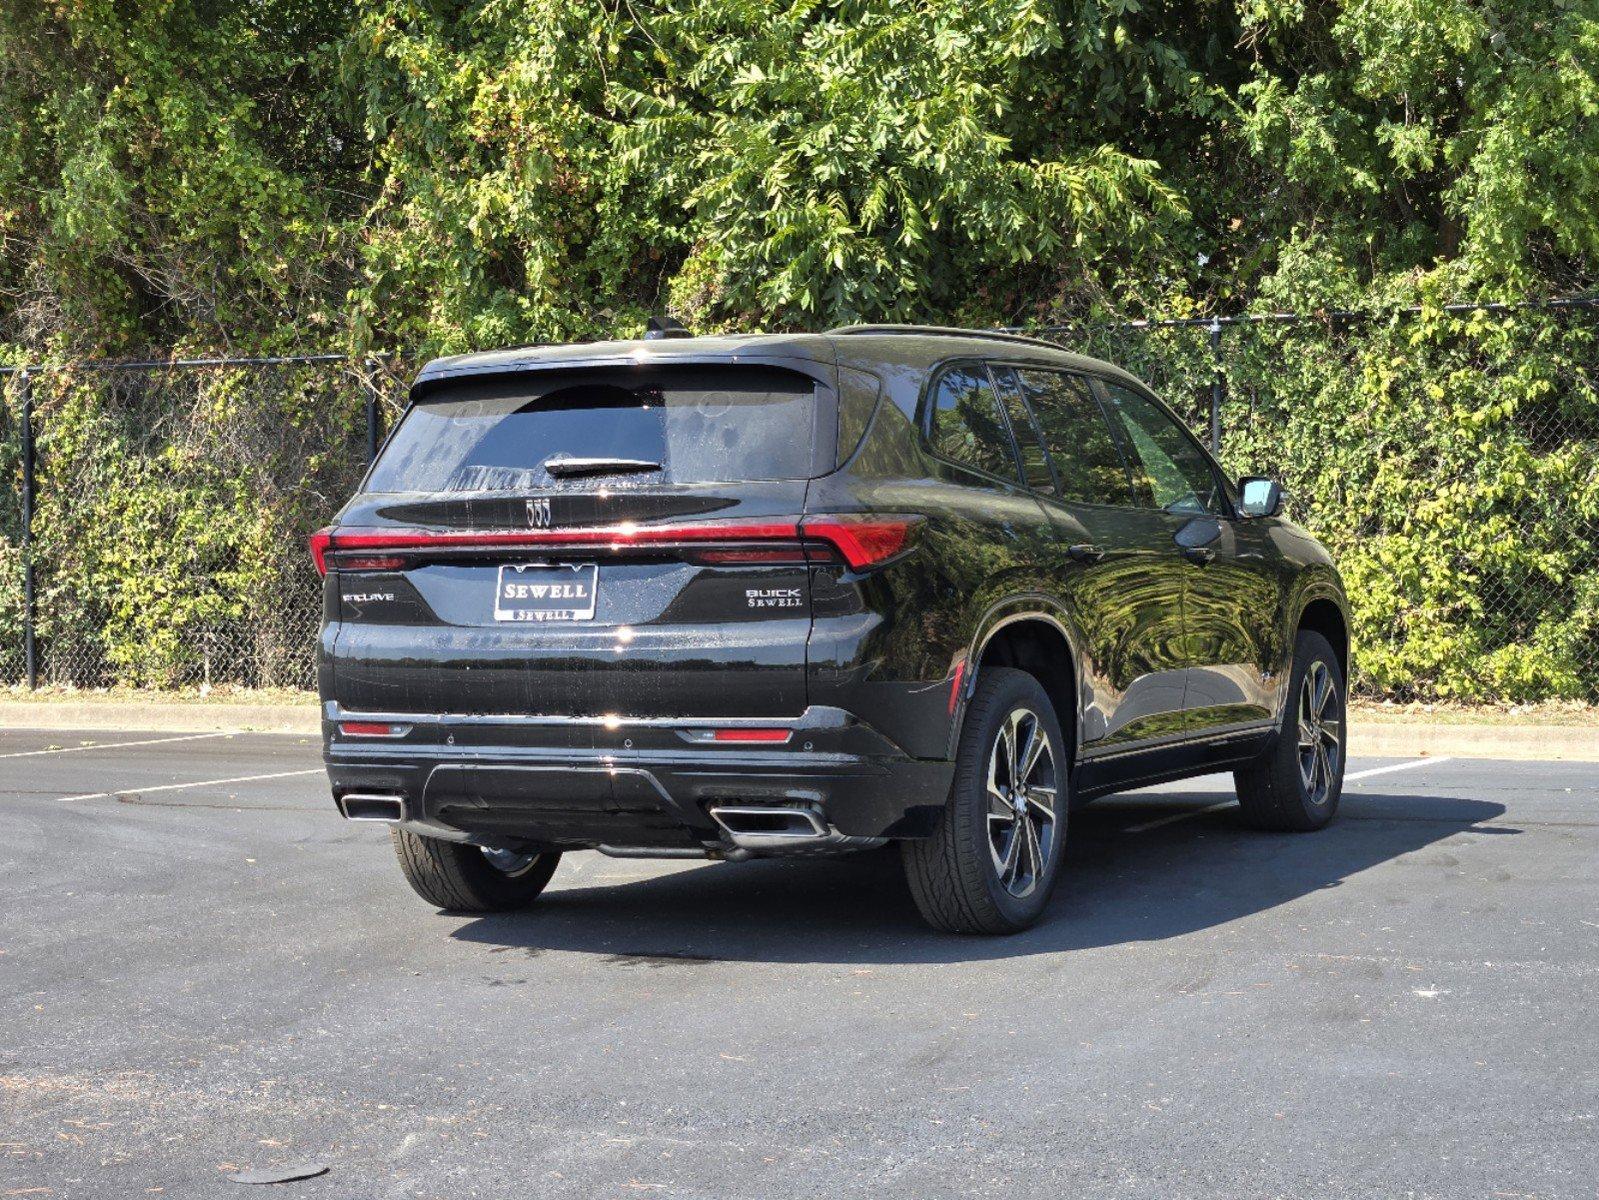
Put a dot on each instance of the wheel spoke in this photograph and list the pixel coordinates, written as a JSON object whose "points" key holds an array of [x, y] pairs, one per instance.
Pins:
{"points": [[1043, 799], [1036, 746], [1323, 773], [1034, 866], [1017, 749], [1324, 689], [999, 808], [1013, 856], [1307, 736]]}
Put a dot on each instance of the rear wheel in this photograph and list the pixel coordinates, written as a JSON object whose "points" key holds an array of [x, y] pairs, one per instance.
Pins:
{"points": [[471, 879], [1296, 785], [992, 864]]}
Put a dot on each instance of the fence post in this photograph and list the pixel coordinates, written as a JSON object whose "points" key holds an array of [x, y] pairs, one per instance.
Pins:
{"points": [[373, 434], [29, 644], [1215, 387]]}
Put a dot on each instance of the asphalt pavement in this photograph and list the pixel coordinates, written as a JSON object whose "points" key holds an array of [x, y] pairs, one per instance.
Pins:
{"points": [[204, 970]]}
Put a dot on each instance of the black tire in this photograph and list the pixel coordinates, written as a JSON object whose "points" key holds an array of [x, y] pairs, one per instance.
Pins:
{"points": [[1287, 788], [460, 878], [956, 875]]}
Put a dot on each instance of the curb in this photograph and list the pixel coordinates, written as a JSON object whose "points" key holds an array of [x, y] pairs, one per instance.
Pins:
{"points": [[1573, 743], [161, 716], [1576, 743]]}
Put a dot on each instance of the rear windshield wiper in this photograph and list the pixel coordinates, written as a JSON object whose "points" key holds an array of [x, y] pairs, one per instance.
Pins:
{"points": [[564, 466]]}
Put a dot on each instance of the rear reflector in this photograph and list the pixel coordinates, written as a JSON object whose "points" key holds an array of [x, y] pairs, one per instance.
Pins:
{"points": [[372, 729], [750, 735], [955, 686]]}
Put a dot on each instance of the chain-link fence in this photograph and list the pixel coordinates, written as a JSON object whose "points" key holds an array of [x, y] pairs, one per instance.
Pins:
{"points": [[1450, 460], [170, 508]]}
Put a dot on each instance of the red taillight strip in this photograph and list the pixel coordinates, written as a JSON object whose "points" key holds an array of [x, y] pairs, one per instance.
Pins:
{"points": [[750, 735], [863, 540]]}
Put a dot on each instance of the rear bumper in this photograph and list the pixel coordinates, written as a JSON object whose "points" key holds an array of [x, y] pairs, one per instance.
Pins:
{"points": [[568, 783]]}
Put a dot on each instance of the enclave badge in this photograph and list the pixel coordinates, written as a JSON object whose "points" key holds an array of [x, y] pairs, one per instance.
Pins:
{"points": [[538, 513]]}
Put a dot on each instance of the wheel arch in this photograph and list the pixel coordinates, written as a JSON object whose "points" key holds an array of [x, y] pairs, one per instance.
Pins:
{"points": [[1033, 637], [1325, 614]]}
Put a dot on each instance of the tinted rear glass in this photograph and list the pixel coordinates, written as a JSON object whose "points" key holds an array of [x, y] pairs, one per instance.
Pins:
{"points": [[967, 426], [700, 424]]}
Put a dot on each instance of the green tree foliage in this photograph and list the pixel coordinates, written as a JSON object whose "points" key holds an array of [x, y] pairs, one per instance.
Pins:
{"points": [[431, 176]]}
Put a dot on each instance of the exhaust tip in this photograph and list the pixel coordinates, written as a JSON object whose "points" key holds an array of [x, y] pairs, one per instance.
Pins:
{"points": [[371, 806], [764, 826]]}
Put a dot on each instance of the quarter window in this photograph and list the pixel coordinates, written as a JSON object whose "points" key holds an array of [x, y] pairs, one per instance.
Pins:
{"points": [[1091, 468], [1169, 469], [967, 425], [1029, 440]]}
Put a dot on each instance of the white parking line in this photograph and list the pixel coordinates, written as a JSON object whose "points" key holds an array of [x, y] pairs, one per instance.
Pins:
{"points": [[1404, 766], [178, 787], [1146, 826], [187, 737]]}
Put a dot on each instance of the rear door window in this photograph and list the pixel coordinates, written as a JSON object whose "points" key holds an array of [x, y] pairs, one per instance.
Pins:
{"points": [[667, 424], [1091, 468], [967, 426]]}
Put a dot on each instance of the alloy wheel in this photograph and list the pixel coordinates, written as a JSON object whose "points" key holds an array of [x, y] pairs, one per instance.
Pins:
{"points": [[1320, 733], [509, 862], [1021, 784]]}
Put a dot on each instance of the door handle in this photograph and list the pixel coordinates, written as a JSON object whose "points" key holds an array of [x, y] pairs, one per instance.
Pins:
{"points": [[1084, 553], [1198, 554]]}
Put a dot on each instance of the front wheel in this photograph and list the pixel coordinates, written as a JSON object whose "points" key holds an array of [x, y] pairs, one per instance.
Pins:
{"points": [[1297, 783], [461, 878], [992, 864]]}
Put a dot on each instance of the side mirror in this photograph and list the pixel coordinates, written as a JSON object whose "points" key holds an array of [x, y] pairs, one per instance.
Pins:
{"points": [[1260, 497]]}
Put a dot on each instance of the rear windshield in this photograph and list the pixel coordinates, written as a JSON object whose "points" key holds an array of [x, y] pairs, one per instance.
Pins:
{"points": [[690, 424]]}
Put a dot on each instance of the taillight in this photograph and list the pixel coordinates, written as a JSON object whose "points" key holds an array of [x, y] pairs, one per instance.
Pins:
{"points": [[369, 562], [749, 735], [324, 544], [864, 539], [320, 541], [792, 554]]}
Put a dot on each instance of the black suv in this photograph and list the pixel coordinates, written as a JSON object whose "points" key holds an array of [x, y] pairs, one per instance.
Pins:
{"points": [[719, 597]]}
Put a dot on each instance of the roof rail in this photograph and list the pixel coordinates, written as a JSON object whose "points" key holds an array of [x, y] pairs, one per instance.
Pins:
{"points": [[945, 331]]}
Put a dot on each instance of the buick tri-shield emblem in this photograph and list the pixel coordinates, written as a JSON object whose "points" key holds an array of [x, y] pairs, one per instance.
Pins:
{"points": [[538, 513]]}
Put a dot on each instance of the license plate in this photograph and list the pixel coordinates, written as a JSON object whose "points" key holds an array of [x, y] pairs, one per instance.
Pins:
{"points": [[533, 593]]}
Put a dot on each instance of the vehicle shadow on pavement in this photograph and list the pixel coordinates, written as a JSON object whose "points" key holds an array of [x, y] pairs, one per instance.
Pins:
{"points": [[1120, 886]]}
